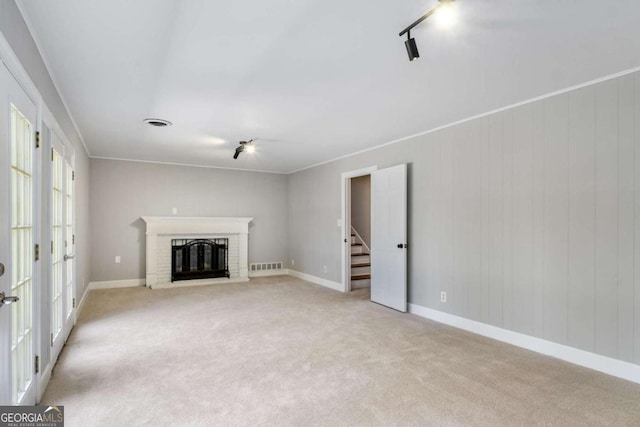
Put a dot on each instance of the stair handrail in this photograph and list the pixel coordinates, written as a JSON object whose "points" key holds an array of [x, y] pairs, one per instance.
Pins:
{"points": [[361, 239]]}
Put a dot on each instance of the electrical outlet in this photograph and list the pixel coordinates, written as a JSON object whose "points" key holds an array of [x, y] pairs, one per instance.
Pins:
{"points": [[175, 211], [293, 261], [443, 297], [118, 259], [324, 268]]}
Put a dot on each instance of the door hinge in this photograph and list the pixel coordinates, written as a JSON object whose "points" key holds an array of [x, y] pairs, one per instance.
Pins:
{"points": [[37, 139], [37, 364], [73, 239], [51, 339], [74, 303], [52, 154], [37, 252], [73, 175], [52, 246]]}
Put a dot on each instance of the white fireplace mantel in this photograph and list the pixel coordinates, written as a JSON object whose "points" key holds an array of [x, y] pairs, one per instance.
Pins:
{"points": [[160, 229]]}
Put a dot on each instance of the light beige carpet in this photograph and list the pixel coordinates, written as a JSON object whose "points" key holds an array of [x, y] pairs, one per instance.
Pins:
{"points": [[280, 351]]}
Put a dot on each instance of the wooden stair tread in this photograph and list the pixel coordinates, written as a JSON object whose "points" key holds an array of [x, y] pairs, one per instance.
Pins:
{"points": [[362, 254], [356, 244], [361, 264], [361, 276]]}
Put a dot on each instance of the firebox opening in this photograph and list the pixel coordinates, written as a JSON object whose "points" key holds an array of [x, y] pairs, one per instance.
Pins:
{"points": [[199, 259]]}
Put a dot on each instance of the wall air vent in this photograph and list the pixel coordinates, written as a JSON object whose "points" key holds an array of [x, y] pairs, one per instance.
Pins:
{"points": [[265, 266], [159, 123]]}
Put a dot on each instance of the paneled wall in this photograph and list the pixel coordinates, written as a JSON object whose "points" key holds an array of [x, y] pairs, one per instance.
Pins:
{"points": [[528, 218]]}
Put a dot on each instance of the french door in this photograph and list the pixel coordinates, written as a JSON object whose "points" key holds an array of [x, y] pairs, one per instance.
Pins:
{"points": [[62, 245], [17, 237]]}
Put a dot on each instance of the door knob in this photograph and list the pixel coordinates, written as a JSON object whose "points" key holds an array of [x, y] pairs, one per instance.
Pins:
{"points": [[402, 245], [68, 257], [1, 269], [7, 300]]}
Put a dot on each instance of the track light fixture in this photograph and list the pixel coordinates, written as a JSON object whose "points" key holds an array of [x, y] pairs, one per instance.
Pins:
{"points": [[245, 146], [412, 47], [410, 43]]}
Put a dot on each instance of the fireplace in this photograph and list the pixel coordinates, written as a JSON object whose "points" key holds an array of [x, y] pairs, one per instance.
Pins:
{"points": [[199, 259], [162, 231]]}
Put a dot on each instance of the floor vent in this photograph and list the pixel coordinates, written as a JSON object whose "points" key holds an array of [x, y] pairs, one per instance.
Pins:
{"points": [[265, 266]]}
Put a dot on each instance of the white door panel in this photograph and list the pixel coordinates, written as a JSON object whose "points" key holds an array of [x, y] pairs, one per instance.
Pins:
{"points": [[62, 245], [389, 237], [18, 231]]}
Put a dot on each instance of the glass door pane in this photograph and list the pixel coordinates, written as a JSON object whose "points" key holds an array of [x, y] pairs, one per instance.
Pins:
{"points": [[70, 240], [22, 353], [57, 244]]}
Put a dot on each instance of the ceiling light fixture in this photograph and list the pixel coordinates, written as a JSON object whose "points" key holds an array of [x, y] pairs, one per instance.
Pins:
{"points": [[448, 19], [245, 146], [159, 123]]}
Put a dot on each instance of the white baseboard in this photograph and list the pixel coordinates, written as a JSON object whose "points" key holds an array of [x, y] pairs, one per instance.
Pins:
{"points": [[267, 273], [597, 362], [110, 284], [43, 382], [81, 304], [317, 280]]}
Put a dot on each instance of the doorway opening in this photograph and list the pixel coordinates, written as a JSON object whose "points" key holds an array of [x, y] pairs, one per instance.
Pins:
{"points": [[360, 239], [356, 228]]}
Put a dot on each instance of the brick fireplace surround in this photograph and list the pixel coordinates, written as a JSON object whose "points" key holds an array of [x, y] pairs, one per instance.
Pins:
{"points": [[161, 230]]}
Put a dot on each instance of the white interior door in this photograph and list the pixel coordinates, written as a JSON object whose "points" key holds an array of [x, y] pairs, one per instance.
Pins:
{"points": [[70, 243], [62, 244], [17, 231], [389, 237], [57, 247]]}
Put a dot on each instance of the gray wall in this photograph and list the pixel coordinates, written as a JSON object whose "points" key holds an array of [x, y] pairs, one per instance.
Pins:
{"points": [[14, 29], [122, 192], [361, 206], [528, 218]]}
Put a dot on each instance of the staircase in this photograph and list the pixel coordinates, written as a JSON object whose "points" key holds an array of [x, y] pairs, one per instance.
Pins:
{"points": [[360, 263]]}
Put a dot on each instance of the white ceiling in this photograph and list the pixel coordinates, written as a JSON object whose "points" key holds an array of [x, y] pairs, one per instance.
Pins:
{"points": [[311, 80]]}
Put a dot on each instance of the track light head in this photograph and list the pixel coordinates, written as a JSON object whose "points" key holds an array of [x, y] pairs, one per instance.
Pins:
{"points": [[412, 47], [239, 150], [245, 146], [410, 44]]}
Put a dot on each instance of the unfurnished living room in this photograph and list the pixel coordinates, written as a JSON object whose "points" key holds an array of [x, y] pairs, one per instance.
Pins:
{"points": [[371, 213]]}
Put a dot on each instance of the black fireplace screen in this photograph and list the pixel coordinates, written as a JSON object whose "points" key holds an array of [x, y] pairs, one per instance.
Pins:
{"points": [[199, 259]]}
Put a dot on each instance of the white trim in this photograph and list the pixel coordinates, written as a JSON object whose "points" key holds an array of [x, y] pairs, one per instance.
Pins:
{"points": [[153, 162], [112, 284], [607, 365], [80, 305], [10, 59], [345, 197], [317, 280], [36, 41], [267, 273], [477, 116], [43, 381]]}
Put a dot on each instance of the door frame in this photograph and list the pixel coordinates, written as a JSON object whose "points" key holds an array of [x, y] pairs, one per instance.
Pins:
{"points": [[19, 73], [68, 154], [346, 220]]}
